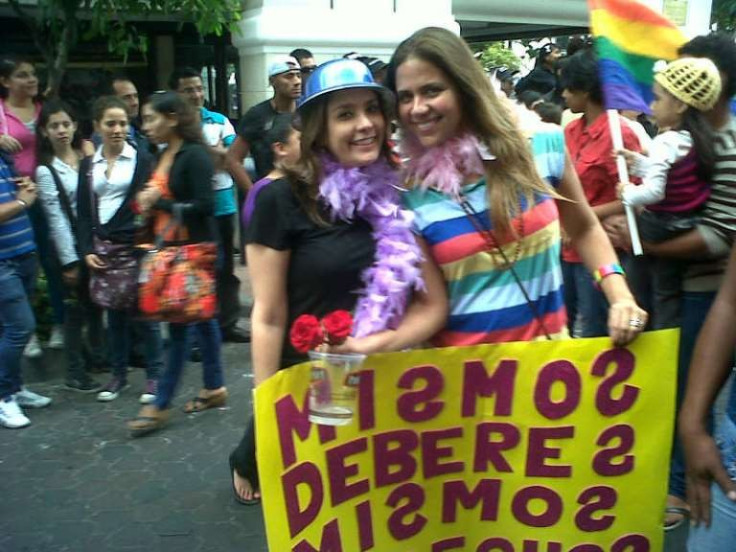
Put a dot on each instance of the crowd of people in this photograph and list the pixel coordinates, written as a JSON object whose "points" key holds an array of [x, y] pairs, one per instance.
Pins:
{"points": [[684, 192], [439, 205]]}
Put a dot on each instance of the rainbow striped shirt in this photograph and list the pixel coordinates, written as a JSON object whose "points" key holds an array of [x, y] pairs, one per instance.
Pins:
{"points": [[486, 304]]}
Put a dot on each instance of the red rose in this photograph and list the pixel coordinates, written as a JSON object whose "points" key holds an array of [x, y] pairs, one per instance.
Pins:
{"points": [[338, 325], [306, 333]]}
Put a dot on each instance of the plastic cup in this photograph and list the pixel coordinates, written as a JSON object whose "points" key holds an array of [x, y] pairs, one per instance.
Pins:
{"points": [[333, 389]]}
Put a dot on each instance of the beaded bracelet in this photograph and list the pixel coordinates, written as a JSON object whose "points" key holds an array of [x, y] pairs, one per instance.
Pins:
{"points": [[605, 271]]}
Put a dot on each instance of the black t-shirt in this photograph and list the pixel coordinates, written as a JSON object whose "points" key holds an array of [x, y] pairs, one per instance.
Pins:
{"points": [[252, 128], [540, 80], [326, 263]]}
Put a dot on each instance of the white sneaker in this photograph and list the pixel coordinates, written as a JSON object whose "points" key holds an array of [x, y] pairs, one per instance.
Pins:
{"points": [[29, 399], [149, 393], [11, 416], [112, 390], [33, 348], [56, 341]]}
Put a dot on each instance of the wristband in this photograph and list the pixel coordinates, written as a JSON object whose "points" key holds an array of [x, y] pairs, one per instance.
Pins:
{"points": [[605, 271], [22, 203]]}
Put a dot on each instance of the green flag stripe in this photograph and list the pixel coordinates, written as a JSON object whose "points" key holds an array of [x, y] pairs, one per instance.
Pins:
{"points": [[641, 67]]}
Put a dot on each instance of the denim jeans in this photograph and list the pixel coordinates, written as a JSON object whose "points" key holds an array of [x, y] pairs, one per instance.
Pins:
{"points": [[17, 277], [584, 299], [119, 323], [721, 534], [571, 296], [694, 309], [208, 336]]}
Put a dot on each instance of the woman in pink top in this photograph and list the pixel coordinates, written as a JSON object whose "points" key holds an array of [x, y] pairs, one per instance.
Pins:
{"points": [[19, 113]]}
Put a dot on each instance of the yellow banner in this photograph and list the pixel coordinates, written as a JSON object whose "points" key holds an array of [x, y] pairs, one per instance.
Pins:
{"points": [[520, 447]]}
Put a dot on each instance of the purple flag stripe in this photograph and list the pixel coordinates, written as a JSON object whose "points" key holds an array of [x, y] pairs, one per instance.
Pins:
{"points": [[611, 69], [621, 90], [623, 97]]}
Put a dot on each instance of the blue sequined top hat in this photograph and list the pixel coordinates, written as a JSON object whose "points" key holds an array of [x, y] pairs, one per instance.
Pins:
{"points": [[339, 74]]}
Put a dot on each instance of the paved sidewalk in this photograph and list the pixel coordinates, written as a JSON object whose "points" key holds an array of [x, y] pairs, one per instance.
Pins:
{"points": [[75, 481]]}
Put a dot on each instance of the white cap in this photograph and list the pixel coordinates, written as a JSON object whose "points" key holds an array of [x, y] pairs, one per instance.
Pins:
{"points": [[283, 64]]}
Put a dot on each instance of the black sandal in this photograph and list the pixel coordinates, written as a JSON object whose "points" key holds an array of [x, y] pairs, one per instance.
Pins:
{"points": [[200, 404], [253, 483]]}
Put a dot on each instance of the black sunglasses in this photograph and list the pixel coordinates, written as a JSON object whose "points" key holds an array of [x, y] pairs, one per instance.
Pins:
{"points": [[308, 70]]}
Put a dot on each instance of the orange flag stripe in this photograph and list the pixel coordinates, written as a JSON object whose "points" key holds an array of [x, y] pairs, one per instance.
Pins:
{"points": [[631, 10], [637, 37]]}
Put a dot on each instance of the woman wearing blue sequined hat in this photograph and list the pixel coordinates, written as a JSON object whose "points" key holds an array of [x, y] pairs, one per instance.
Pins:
{"points": [[332, 236]]}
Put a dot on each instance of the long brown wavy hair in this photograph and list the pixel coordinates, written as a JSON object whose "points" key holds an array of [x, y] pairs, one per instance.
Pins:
{"points": [[307, 173], [513, 171]]}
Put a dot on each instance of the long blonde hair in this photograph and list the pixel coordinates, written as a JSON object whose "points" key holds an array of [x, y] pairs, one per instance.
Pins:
{"points": [[513, 171]]}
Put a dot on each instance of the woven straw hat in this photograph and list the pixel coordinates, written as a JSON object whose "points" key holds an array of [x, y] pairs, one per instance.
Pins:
{"points": [[694, 81]]}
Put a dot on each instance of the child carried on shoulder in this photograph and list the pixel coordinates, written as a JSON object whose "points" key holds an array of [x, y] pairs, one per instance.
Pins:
{"points": [[676, 174]]}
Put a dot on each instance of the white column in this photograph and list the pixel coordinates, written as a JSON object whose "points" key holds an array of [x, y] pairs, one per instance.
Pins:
{"points": [[330, 29]]}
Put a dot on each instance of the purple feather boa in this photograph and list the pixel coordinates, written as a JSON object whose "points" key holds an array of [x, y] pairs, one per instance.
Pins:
{"points": [[372, 193]]}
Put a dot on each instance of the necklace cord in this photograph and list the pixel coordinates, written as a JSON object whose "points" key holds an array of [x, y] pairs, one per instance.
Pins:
{"points": [[493, 245]]}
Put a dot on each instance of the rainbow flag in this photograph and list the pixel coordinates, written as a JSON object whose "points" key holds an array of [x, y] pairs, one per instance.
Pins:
{"points": [[629, 39]]}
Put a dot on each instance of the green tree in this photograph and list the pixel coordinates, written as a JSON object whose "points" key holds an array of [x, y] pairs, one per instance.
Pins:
{"points": [[723, 15], [496, 54], [57, 26]]}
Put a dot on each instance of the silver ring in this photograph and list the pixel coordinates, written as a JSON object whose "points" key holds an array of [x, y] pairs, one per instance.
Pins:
{"points": [[636, 322]]}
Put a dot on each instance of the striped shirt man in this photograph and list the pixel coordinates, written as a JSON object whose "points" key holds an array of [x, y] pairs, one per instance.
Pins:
{"points": [[718, 224], [16, 235]]}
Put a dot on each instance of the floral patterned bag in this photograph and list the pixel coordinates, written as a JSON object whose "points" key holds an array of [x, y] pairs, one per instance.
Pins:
{"points": [[176, 283], [114, 287]]}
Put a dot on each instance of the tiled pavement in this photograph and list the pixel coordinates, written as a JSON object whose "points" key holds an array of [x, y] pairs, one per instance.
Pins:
{"points": [[75, 481]]}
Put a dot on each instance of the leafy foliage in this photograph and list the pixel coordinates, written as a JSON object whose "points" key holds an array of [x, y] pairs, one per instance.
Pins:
{"points": [[57, 25], [723, 15], [496, 54]]}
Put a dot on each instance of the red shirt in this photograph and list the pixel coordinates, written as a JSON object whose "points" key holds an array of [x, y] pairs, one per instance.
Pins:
{"points": [[590, 150]]}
